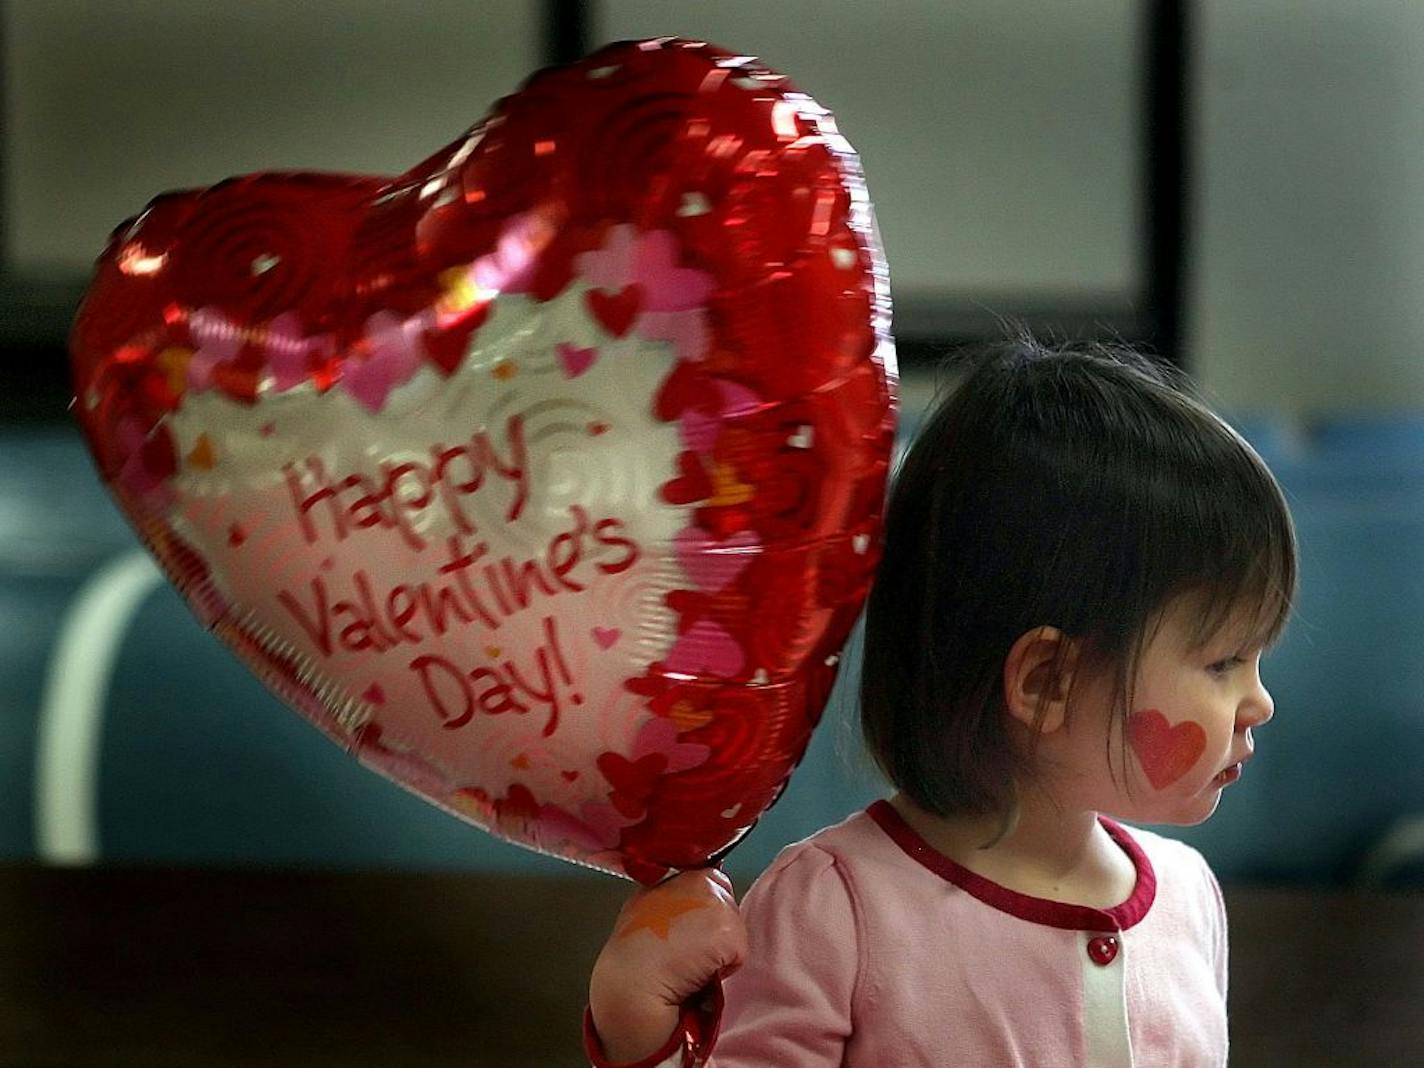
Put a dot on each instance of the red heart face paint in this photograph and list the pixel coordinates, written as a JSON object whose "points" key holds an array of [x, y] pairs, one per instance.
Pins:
{"points": [[1166, 752]]}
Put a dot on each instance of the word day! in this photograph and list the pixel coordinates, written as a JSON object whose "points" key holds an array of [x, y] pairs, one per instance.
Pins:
{"points": [[456, 694]]}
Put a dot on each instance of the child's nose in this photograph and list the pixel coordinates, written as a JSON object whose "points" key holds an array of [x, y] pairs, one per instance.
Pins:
{"points": [[1257, 708]]}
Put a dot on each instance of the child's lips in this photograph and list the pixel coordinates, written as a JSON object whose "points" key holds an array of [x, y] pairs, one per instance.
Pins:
{"points": [[1231, 772], [1230, 775]]}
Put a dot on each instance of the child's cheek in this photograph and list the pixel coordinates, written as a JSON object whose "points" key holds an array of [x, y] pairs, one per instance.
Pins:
{"points": [[1165, 751]]}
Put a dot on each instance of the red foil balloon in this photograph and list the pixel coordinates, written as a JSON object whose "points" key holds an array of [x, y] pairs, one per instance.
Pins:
{"points": [[547, 477]]}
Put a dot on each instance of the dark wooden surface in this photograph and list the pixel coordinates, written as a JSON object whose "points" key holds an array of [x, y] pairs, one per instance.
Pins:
{"points": [[1326, 978], [154, 968]]}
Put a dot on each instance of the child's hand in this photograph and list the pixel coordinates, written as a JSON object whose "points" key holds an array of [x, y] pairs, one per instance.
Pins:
{"points": [[669, 943]]}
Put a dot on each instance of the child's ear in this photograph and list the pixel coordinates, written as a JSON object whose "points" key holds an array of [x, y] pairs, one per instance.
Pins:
{"points": [[1031, 686]]}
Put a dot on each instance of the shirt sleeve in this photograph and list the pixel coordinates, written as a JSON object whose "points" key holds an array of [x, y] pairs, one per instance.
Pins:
{"points": [[790, 1003]]}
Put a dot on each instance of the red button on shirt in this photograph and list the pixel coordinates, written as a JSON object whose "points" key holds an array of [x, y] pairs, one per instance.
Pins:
{"points": [[1102, 950]]}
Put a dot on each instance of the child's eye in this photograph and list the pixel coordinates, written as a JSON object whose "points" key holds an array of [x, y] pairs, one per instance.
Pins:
{"points": [[1221, 667]]}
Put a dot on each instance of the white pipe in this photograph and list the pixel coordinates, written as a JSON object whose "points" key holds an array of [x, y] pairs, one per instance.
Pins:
{"points": [[72, 712], [1401, 846]]}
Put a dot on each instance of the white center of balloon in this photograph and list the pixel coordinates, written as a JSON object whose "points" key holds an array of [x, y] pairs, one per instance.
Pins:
{"points": [[479, 563]]}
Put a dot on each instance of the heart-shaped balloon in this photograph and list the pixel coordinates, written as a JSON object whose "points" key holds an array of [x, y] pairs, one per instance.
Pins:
{"points": [[546, 477]]}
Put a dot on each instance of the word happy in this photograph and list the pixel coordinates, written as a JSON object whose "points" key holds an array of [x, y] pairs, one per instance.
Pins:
{"points": [[405, 490]]}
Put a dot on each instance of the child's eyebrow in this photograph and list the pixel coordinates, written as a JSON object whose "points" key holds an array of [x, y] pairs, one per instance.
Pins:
{"points": [[1264, 638], [1260, 628], [1237, 637]]}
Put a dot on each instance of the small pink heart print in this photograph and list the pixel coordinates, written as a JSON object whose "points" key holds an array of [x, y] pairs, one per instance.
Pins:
{"points": [[576, 359]]}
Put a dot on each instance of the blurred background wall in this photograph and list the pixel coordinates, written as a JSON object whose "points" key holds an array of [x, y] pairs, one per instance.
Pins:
{"points": [[1236, 183], [1003, 143]]}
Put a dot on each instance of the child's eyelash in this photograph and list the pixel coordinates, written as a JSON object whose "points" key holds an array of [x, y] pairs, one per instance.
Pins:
{"points": [[1223, 666]]}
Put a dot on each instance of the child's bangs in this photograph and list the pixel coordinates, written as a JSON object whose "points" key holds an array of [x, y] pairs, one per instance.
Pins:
{"points": [[1253, 609], [1245, 571]]}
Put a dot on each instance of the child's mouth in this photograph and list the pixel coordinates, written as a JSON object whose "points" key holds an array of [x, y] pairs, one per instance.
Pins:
{"points": [[1228, 776]]}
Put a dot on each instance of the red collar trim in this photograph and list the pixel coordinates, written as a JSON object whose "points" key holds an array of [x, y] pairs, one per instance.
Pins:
{"points": [[1025, 906]]}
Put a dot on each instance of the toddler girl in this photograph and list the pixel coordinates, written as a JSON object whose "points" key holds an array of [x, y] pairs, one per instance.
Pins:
{"points": [[1082, 567]]}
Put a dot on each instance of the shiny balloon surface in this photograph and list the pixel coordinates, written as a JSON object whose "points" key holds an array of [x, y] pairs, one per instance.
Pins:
{"points": [[546, 477]]}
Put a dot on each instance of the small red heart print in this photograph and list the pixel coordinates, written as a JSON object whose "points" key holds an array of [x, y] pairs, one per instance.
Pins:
{"points": [[1166, 752], [632, 780], [447, 347], [616, 311], [692, 483], [685, 388]]}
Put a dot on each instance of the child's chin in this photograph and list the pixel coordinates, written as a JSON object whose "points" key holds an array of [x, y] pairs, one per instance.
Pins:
{"points": [[1196, 818], [1198, 810], [1186, 813]]}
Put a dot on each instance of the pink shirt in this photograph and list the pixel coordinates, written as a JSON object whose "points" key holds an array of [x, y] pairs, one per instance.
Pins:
{"points": [[871, 950]]}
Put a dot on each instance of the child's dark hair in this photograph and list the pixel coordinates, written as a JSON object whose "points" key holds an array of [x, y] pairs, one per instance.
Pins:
{"points": [[1077, 487]]}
